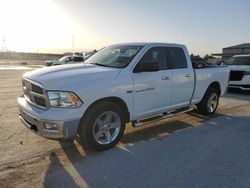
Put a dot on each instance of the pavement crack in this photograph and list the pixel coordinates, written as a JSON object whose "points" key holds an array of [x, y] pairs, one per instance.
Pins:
{"points": [[10, 136]]}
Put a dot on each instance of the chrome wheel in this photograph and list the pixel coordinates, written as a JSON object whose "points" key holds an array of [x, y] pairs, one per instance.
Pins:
{"points": [[212, 102], [106, 127]]}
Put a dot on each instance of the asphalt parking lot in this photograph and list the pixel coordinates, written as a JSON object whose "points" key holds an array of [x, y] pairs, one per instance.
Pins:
{"points": [[188, 150]]}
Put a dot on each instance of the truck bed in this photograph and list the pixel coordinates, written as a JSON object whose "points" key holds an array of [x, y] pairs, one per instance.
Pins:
{"points": [[207, 75]]}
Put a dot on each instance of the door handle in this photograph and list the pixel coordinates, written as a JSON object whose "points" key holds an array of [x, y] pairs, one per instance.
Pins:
{"points": [[166, 77], [189, 75]]}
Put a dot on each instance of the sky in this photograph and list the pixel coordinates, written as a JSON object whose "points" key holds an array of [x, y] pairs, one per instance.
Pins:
{"points": [[57, 26]]}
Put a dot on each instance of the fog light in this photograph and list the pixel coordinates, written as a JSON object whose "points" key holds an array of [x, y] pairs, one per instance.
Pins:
{"points": [[50, 126]]}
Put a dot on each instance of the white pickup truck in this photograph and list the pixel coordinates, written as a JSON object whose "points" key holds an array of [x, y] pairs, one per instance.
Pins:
{"points": [[136, 82]]}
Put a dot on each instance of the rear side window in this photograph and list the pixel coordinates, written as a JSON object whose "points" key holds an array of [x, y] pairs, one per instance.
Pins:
{"points": [[155, 54], [176, 57]]}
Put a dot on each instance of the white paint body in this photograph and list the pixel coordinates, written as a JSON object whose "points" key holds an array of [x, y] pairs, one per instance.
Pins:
{"points": [[92, 82]]}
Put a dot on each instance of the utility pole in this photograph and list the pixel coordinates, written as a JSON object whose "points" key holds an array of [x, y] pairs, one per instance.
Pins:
{"points": [[4, 45]]}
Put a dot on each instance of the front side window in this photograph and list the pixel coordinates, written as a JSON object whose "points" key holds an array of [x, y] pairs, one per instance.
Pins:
{"points": [[239, 61], [154, 55], [176, 57], [118, 56]]}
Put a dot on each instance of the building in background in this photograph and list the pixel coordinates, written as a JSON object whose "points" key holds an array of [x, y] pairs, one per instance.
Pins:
{"points": [[233, 50]]}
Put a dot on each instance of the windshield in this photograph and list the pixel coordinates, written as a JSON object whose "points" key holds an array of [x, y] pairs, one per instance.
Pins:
{"points": [[245, 60], [118, 56], [65, 58]]}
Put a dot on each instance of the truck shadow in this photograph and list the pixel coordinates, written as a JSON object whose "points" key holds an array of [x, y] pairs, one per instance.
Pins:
{"points": [[74, 166], [153, 131], [238, 91], [62, 174]]}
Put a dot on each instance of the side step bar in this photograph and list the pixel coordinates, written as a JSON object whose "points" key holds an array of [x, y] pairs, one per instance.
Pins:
{"points": [[158, 117]]}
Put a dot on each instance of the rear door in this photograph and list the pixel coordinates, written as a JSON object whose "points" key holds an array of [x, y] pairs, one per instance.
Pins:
{"points": [[183, 77], [152, 90]]}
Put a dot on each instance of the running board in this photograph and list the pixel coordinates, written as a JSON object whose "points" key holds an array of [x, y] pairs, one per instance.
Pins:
{"points": [[162, 116]]}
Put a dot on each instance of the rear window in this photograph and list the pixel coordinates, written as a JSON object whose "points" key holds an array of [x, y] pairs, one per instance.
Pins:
{"points": [[176, 57], [78, 59]]}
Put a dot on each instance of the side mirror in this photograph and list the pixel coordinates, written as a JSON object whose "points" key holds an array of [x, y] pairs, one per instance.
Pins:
{"points": [[147, 67]]}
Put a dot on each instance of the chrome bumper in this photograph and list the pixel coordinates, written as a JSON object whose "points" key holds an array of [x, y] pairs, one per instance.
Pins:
{"points": [[37, 126], [62, 129], [242, 87]]}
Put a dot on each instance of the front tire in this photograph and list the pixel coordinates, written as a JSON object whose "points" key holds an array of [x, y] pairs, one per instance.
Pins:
{"points": [[209, 103], [102, 126]]}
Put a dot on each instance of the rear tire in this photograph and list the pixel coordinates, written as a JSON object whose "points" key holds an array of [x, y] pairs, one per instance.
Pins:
{"points": [[209, 103], [102, 126]]}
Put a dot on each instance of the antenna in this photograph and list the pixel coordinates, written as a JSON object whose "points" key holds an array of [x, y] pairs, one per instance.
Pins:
{"points": [[4, 45]]}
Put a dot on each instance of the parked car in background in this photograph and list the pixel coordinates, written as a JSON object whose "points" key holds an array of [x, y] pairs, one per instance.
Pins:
{"points": [[134, 82], [218, 62], [66, 60], [239, 71], [198, 64]]}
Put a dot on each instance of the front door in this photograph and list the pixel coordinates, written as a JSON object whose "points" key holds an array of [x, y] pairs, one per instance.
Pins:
{"points": [[152, 90]]}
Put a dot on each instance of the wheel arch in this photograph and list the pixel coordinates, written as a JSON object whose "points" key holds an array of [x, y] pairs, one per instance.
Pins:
{"points": [[202, 105], [215, 85], [115, 100]]}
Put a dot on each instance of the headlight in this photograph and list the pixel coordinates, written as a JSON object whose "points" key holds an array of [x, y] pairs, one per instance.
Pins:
{"points": [[62, 99]]}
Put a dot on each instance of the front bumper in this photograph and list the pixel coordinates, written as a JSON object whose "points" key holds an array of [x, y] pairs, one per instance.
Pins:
{"points": [[65, 121], [242, 87], [243, 84]]}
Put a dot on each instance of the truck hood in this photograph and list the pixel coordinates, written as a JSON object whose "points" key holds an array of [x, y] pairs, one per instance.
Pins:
{"points": [[59, 77], [240, 67]]}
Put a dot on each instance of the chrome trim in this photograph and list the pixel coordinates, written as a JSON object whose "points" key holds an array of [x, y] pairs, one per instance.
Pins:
{"points": [[29, 93], [146, 89], [25, 122], [34, 104], [36, 94], [41, 130], [166, 77], [189, 76], [239, 87], [159, 117]]}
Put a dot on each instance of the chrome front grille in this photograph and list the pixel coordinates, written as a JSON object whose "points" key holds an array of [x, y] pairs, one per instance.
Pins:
{"points": [[34, 93]]}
